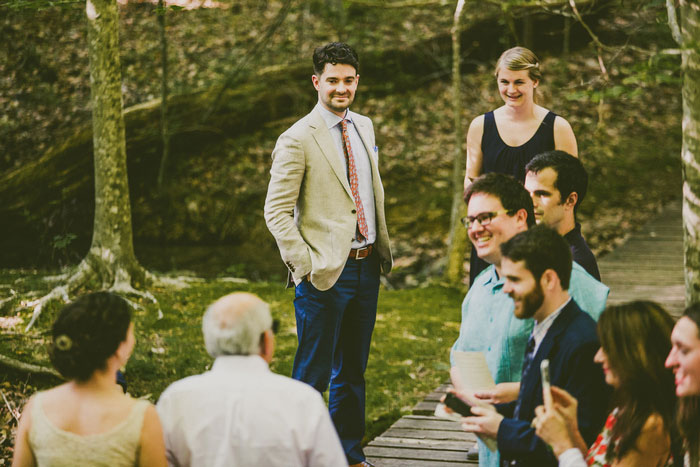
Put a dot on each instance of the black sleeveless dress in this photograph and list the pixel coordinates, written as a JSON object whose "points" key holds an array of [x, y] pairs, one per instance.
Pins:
{"points": [[497, 156]]}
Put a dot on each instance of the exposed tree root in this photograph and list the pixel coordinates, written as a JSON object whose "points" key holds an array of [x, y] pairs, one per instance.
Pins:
{"points": [[122, 286], [27, 367], [58, 277], [114, 278], [79, 277], [235, 280], [177, 282], [12, 296]]}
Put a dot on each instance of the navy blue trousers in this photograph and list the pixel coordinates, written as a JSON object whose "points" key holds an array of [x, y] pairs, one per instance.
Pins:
{"points": [[334, 328]]}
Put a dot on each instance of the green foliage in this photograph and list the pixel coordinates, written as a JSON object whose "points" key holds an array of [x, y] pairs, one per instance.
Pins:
{"points": [[61, 242], [38, 4]]}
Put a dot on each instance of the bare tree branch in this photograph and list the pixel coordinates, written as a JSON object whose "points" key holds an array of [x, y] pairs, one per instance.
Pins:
{"points": [[398, 4], [27, 367], [15, 413], [673, 22]]}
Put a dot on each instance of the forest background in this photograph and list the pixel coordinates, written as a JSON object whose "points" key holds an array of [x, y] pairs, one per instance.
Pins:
{"points": [[238, 74]]}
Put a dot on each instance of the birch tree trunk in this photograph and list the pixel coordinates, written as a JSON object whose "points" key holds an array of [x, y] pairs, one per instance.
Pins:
{"points": [[164, 130], [690, 32], [457, 246], [111, 253]]}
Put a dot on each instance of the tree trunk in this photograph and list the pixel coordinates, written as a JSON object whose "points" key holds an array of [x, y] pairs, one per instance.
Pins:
{"points": [[458, 239], [528, 32], [689, 33], [111, 253], [164, 130]]}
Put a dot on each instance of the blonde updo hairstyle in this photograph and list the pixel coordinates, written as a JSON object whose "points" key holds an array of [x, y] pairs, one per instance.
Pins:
{"points": [[520, 58]]}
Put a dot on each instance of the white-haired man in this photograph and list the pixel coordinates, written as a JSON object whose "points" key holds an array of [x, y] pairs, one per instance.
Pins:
{"points": [[240, 413]]}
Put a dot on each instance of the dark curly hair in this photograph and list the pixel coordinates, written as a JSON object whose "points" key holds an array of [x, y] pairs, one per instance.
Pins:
{"points": [[334, 53], [541, 248], [87, 332]]}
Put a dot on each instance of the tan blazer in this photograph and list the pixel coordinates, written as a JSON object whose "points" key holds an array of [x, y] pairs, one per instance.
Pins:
{"points": [[309, 207]]}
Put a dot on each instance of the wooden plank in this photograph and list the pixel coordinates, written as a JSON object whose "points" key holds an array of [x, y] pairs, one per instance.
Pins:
{"points": [[430, 434], [417, 454], [436, 424], [424, 408], [384, 462], [651, 295], [668, 255], [666, 291], [422, 443], [641, 276]]}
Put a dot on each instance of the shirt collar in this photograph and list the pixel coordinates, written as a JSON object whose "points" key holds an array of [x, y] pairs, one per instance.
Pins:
{"points": [[491, 278], [330, 118], [239, 363], [541, 328]]}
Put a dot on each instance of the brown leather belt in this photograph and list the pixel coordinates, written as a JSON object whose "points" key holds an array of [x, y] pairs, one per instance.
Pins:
{"points": [[360, 253]]}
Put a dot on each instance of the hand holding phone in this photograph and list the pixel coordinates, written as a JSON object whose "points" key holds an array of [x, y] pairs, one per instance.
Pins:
{"points": [[458, 405], [546, 385]]}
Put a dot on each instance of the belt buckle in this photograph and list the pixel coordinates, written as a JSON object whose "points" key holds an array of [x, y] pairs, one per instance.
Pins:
{"points": [[358, 251]]}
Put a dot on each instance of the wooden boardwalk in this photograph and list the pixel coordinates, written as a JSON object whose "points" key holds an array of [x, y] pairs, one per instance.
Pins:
{"points": [[422, 440], [648, 265]]}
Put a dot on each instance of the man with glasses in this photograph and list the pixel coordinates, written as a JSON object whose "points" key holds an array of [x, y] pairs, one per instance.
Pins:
{"points": [[498, 208], [239, 413]]}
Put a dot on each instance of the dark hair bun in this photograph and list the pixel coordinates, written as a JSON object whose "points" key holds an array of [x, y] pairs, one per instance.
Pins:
{"points": [[87, 332]]}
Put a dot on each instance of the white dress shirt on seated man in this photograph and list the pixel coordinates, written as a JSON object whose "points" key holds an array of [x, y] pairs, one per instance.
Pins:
{"points": [[242, 414]]}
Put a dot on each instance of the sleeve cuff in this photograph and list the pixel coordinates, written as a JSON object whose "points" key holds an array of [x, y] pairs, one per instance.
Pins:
{"points": [[572, 458]]}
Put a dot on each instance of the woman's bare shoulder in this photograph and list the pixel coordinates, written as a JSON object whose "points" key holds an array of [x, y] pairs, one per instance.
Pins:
{"points": [[477, 123], [655, 425]]}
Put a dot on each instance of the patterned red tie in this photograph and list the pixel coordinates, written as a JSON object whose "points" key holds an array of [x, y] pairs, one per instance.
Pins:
{"points": [[352, 177]]}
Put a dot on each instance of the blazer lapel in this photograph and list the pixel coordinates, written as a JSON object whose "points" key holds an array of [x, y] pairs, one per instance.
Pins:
{"points": [[325, 142], [552, 336], [550, 339], [364, 132]]}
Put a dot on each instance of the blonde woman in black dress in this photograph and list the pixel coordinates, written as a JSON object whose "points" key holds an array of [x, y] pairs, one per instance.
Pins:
{"points": [[504, 140]]}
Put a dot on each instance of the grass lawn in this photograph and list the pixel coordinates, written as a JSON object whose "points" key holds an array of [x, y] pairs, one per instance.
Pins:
{"points": [[409, 357]]}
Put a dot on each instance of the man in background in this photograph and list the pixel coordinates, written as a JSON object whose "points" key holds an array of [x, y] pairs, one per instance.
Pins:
{"points": [[557, 182]]}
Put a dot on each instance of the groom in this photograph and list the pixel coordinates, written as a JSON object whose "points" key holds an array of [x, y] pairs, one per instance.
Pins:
{"points": [[325, 208]]}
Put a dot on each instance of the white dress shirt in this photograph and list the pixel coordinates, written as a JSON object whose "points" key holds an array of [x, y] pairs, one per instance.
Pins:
{"points": [[241, 414], [540, 329], [362, 166]]}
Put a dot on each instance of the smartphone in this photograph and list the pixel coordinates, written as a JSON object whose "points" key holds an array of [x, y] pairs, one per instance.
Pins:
{"points": [[546, 384], [457, 404]]}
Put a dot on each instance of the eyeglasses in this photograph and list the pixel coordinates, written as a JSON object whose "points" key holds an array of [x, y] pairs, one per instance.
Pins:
{"points": [[483, 218]]}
